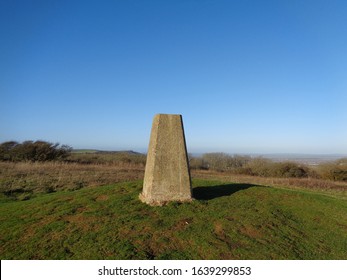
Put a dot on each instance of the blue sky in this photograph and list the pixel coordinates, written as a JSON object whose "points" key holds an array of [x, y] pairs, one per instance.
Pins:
{"points": [[247, 76]]}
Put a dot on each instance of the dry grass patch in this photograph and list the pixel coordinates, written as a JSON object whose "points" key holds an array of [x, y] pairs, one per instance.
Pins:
{"points": [[21, 180]]}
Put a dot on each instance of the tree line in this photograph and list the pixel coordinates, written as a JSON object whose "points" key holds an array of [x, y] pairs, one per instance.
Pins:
{"points": [[246, 165]]}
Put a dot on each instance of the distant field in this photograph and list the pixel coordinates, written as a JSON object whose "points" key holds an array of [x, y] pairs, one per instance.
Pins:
{"points": [[226, 221], [25, 180]]}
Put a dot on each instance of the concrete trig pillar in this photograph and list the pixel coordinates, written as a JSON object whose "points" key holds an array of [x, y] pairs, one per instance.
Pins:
{"points": [[167, 176]]}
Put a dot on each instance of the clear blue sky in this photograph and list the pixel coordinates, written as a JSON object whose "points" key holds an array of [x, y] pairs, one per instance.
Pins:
{"points": [[247, 76]]}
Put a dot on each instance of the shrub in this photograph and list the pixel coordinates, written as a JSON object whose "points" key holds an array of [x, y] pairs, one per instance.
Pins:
{"points": [[289, 170], [5, 150], [260, 167], [33, 151], [224, 162], [267, 168], [246, 165], [197, 163], [336, 171]]}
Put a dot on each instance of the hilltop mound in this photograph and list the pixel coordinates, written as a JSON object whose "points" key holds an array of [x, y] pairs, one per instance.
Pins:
{"points": [[225, 221]]}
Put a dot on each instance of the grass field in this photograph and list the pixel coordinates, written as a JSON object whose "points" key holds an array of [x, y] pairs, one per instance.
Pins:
{"points": [[225, 221]]}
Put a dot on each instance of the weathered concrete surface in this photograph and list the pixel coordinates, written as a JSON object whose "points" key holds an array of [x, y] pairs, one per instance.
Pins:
{"points": [[167, 176]]}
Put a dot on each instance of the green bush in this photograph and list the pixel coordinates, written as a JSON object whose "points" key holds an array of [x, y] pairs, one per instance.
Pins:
{"points": [[289, 170], [5, 150], [33, 151]]}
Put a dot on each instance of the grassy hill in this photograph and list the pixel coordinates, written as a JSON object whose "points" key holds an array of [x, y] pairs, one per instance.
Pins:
{"points": [[226, 221]]}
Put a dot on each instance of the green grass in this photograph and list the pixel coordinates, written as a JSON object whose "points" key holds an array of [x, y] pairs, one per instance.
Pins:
{"points": [[225, 221]]}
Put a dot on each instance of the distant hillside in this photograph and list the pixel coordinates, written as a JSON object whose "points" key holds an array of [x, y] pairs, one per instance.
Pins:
{"points": [[91, 151], [83, 151]]}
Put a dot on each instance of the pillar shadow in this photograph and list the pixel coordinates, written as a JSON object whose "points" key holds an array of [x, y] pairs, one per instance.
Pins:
{"points": [[211, 192]]}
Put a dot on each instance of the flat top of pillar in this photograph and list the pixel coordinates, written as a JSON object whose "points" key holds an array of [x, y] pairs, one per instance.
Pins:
{"points": [[159, 115]]}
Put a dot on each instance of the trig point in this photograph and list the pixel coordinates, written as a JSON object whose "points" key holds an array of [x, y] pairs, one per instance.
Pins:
{"points": [[167, 176]]}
